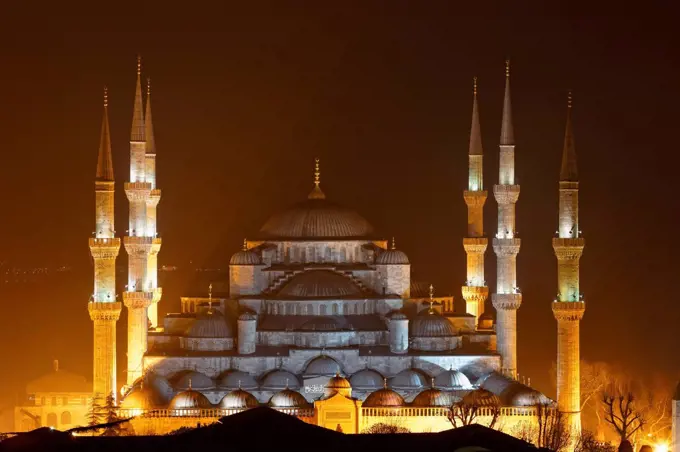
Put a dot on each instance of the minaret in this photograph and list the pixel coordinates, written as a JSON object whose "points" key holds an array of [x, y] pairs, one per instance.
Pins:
{"points": [[139, 294], [507, 298], [475, 290], [151, 204], [103, 307], [569, 306]]}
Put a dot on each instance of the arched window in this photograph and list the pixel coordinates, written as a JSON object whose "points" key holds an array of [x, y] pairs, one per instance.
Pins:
{"points": [[65, 418], [298, 309], [335, 309], [290, 309], [322, 309], [310, 309], [52, 420]]}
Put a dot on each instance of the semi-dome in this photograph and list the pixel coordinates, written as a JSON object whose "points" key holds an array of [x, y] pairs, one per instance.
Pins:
{"points": [[392, 256], [247, 316], [280, 379], [141, 398], [245, 257], [409, 379], [238, 400], [452, 379], [320, 284], [433, 397], [188, 400], [431, 324], [323, 365], [367, 379], [210, 324], [384, 397], [316, 218], [192, 380], [234, 379], [288, 398]]}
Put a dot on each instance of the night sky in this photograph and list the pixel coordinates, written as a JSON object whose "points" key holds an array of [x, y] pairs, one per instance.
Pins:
{"points": [[382, 94]]}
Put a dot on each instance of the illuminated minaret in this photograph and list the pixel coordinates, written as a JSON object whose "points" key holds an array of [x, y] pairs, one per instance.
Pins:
{"points": [[475, 290], [568, 307], [151, 204], [103, 307], [139, 294], [507, 298]]}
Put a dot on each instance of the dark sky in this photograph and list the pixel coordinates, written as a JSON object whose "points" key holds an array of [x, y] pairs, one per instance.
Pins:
{"points": [[382, 94]]}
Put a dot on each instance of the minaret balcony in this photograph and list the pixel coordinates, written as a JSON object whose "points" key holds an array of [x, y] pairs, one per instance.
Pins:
{"points": [[104, 310], [506, 301], [137, 191], [506, 194], [138, 300], [475, 293], [568, 249], [475, 245], [475, 198], [568, 310], [506, 247]]}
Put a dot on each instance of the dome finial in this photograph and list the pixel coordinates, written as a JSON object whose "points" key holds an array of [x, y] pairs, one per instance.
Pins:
{"points": [[474, 85], [239, 384], [431, 298], [316, 192], [210, 299], [148, 86], [432, 382], [245, 244], [189, 384], [106, 96], [139, 64], [394, 244], [385, 382], [569, 100], [507, 67]]}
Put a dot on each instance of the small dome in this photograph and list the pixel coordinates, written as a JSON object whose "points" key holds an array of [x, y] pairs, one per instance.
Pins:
{"points": [[320, 284], [238, 400], [323, 365], [189, 399], [235, 379], [431, 324], [280, 379], [321, 323], [433, 397], [367, 379], [452, 379], [247, 316], [138, 398], [192, 379], [485, 321], [245, 257], [384, 398], [481, 398], [210, 324], [392, 257], [409, 379], [338, 382], [288, 398], [396, 315], [512, 392]]}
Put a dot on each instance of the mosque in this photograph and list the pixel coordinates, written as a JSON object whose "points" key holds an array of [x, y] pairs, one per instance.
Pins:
{"points": [[321, 319]]}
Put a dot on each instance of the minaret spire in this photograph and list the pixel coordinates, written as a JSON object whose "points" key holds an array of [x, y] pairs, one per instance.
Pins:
{"points": [[104, 160], [475, 291], [148, 124], [137, 131], [507, 131], [569, 169], [506, 244], [568, 307]]}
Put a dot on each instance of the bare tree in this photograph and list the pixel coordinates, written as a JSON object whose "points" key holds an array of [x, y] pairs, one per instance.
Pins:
{"points": [[475, 404], [385, 428], [621, 413], [587, 442], [550, 431]]}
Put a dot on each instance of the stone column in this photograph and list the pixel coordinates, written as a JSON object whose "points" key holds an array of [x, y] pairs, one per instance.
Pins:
{"points": [[104, 316]]}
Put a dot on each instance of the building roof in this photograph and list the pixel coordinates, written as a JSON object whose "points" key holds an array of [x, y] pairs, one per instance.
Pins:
{"points": [[323, 365], [366, 322], [245, 257], [433, 397], [189, 399], [317, 218], [210, 324], [280, 379], [392, 256], [452, 379], [320, 284], [409, 379], [192, 379], [338, 382], [142, 398]]}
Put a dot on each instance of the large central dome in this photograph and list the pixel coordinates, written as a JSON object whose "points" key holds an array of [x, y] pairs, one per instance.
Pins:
{"points": [[316, 218]]}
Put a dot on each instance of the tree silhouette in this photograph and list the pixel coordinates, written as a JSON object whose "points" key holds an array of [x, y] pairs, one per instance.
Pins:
{"points": [[621, 413]]}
